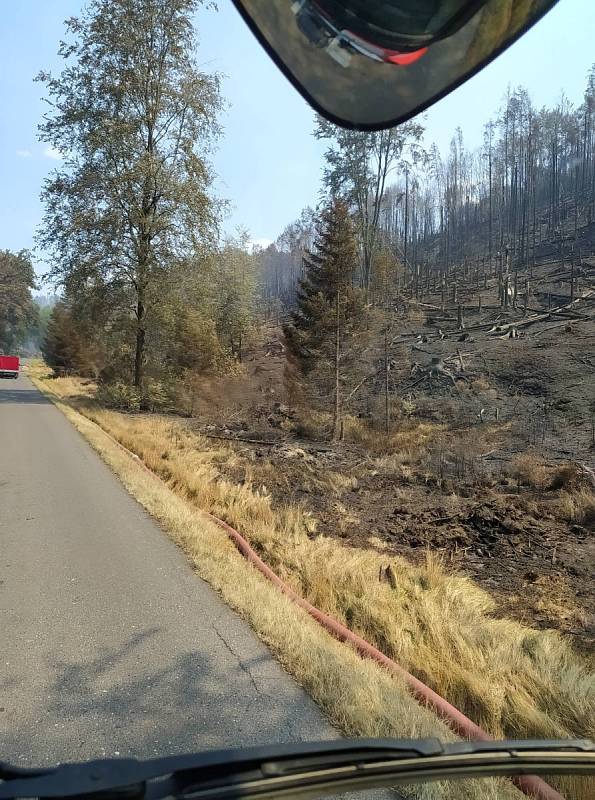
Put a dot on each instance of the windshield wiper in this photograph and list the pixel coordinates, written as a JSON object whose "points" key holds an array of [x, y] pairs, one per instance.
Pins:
{"points": [[309, 769]]}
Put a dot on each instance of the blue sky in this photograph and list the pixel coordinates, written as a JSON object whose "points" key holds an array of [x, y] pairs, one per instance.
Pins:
{"points": [[268, 162]]}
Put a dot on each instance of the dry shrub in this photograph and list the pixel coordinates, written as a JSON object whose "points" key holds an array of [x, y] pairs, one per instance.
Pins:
{"points": [[578, 506], [36, 368], [74, 387], [400, 409], [214, 397], [288, 425], [311, 424], [571, 476], [391, 463], [345, 519], [529, 469], [555, 596], [186, 393], [357, 431], [119, 395], [480, 385]]}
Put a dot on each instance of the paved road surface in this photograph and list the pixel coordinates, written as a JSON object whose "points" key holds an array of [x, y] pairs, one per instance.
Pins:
{"points": [[108, 642]]}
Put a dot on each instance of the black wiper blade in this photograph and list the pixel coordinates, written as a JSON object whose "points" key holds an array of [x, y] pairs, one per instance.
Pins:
{"points": [[313, 768], [107, 774], [72, 780], [356, 768], [9, 772]]}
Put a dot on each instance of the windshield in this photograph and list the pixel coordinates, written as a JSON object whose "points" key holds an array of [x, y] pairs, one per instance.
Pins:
{"points": [[297, 422]]}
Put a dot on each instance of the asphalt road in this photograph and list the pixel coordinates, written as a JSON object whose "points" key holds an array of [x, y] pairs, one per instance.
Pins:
{"points": [[109, 643]]}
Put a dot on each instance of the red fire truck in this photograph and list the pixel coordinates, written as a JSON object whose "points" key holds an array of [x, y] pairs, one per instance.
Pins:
{"points": [[9, 366]]}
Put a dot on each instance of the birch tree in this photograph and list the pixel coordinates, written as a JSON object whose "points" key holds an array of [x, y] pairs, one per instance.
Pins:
{"points": [[134, 120]]}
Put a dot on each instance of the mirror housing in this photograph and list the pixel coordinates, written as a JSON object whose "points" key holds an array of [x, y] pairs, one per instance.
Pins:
{"points": [[371, 64]]}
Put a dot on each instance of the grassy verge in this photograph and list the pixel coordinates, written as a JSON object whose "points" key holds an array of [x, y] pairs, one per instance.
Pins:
{"points": [[509, 678]]}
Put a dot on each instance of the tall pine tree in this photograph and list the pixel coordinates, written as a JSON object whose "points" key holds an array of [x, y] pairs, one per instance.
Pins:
{"points": [[325, 329]]}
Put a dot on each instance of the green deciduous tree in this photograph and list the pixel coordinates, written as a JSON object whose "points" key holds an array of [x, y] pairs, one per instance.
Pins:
{"points": [[18, 313], [134, 120], [234, 284]]}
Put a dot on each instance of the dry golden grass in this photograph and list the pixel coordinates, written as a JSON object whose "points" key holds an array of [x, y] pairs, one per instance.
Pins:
{"points": [[508, 678], [408, 442], [480, 385], [578, 506], [576, 499], [338, 482], [71, 387], [529, 469], [554, 595]]}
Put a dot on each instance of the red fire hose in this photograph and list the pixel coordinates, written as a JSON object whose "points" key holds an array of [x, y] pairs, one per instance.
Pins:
{"points": [[460, 724], [529, 784]]}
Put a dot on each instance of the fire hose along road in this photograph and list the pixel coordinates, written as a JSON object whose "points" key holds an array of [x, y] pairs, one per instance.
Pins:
{"points": [[109, 643]]}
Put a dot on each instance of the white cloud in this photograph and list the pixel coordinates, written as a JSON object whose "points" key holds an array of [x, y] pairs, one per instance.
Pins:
{"points": [[254, 244], [53, 153], [24, 153]]}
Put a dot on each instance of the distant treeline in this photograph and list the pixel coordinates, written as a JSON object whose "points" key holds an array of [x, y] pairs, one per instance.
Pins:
{"points": [[532, 182]]}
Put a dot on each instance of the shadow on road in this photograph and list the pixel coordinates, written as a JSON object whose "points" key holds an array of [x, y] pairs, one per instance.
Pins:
{"points": [[22, 396], [141, 701]]}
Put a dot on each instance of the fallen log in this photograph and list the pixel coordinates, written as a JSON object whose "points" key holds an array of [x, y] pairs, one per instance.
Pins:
{"points": [[523, 323]]}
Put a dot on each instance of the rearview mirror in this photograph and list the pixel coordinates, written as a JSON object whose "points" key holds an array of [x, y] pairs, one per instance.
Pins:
{"points": [[370, 64]]}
